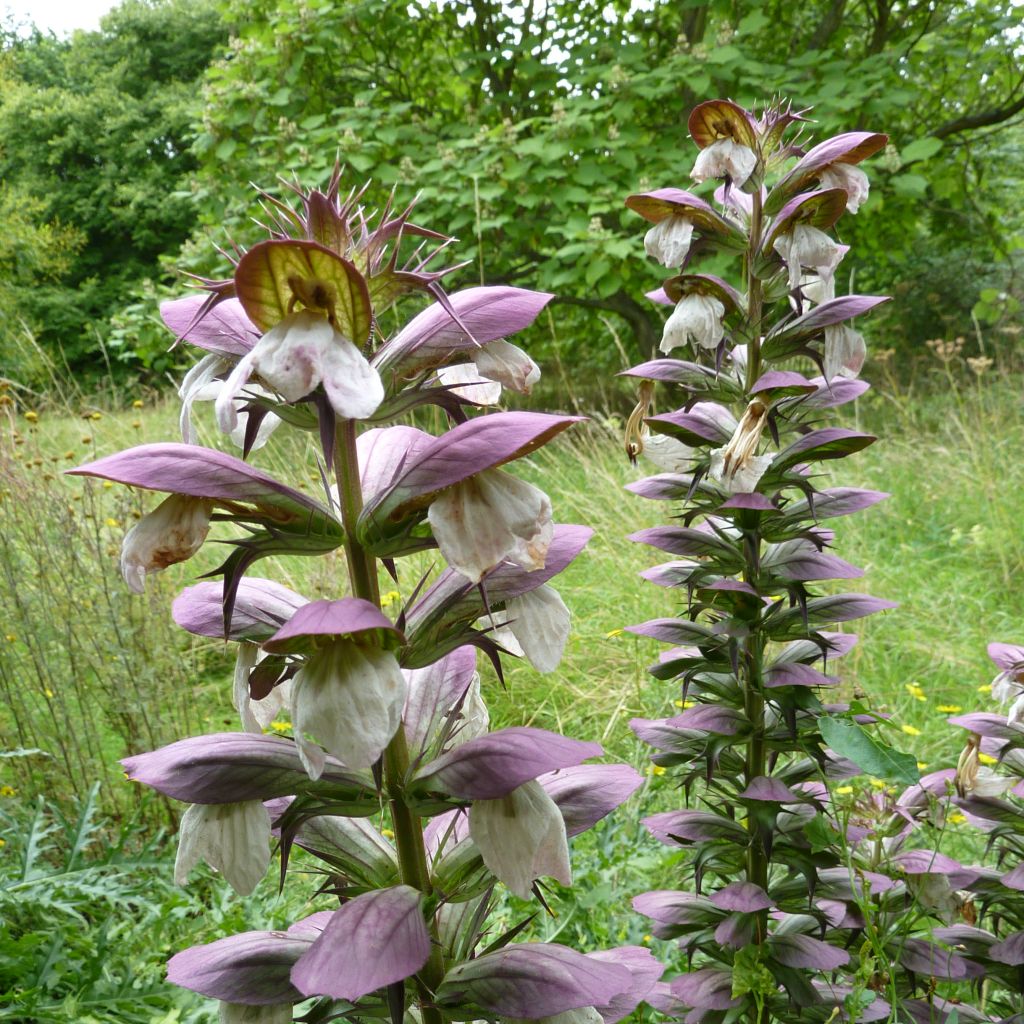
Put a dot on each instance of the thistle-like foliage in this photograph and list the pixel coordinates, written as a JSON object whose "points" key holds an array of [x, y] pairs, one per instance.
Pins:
{"points": [[393, 779], [794, 905]]}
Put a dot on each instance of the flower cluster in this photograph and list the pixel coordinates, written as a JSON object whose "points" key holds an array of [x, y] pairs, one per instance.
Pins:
{"points": [[391, 732], [797, 905]]}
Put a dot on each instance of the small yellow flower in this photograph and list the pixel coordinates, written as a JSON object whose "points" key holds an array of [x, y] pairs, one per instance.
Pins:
{"points": [[96, 416], [922, 765], [956, 819], [655, 769], [987, 688], [950, 709], [647, 939], [7, 791], [877, 783], [387, 833], [279, 726], [32, 417], [390, 598], [844, 790], [915, 691], [112, 523], [684, 703], [138, 403], [987, 758], [3, 843], [107, 484], [49, 693], [613, 633], [910, 730]]}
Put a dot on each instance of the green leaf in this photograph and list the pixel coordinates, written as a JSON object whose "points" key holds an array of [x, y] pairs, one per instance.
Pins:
{"points": [[872, 757], [913, 186], [920, 149]]}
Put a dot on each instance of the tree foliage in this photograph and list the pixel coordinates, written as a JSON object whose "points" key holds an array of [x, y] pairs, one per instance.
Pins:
{"points": [[95, 135], [530, 122]]}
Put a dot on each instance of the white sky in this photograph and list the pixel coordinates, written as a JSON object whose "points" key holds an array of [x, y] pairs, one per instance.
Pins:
{"points": [[60, 16]]}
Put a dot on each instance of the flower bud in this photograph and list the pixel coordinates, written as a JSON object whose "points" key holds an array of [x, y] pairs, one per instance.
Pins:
{"points": [[173, 532], [845, 352]]}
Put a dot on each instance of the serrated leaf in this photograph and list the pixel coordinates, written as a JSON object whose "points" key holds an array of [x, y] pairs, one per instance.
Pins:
{"points": [[870, 755]]}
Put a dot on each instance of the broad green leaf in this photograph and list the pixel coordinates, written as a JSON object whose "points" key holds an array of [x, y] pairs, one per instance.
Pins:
{"points": [[920, 149], [870, 755]]}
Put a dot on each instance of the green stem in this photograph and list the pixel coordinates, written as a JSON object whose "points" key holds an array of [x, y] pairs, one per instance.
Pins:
{"points": [[753, 687], [412, 854], [755, 293]]}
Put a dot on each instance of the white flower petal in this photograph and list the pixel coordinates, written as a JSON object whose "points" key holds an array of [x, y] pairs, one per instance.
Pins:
{"points": [[669, 240], [490, 517], [195, 387], [725, 158], [347, 698], [744, 478], [809, 247], [1016, 715], [668, 453], [521, 837], [540, 621], [233, 839], [173, 532], [507, 364], [297, 355], [1005, 687], [696, 318], [224, 407], [848, 177], [584, 1015], [465, 380], [845, 352], [353, 386]]}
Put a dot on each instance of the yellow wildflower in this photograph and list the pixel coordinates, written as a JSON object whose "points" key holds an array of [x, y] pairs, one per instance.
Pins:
{"points": [[950, 709], [279, 726], [844, 790], [910, 730], [877, 783], [986, 758], [915, 691], [922, 765], [112, 523], [655, 769], [647, 939], [49, 693], [7, 791], [387, 833], [32, 417], [138, 403], [390, 598], [96, 416], [613, 633], [956, 819]]}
